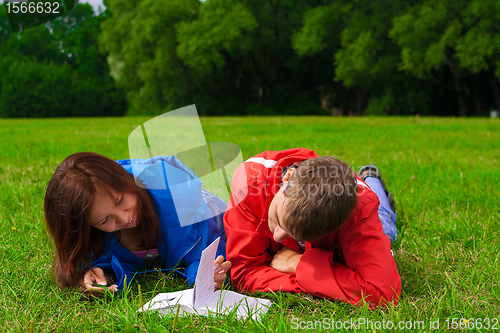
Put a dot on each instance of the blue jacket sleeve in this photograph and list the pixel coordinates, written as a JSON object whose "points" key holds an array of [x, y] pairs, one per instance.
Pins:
{"points": [[120, 261], [209, 232], [111, 263]]}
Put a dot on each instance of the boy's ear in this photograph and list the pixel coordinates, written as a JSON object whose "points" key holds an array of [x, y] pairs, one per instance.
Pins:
{"points": [[288, 174]]}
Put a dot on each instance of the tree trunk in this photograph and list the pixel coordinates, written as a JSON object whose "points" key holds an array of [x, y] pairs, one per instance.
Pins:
{"points": [[344, 102], [496, 88], [362, 98], [232, 71], [246, 88], [297, 82], [477, 93], [264, 82], [274, 54], [460, 89]]}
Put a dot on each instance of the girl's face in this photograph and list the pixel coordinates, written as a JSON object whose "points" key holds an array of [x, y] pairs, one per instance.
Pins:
{"points": [[116, 213]]}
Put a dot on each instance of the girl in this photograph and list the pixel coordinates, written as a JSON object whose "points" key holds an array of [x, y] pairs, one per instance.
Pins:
{"points": [[106, 226]]}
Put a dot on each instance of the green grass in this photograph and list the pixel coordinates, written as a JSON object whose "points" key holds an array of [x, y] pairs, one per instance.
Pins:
{"points": [[443, 173]]}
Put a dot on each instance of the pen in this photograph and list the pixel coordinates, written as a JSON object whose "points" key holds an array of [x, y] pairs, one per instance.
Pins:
{"points": [[98, 285]]}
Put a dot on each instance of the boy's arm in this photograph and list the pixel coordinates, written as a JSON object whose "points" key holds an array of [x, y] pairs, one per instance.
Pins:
{"points": [[370, 270], [250, 254]]}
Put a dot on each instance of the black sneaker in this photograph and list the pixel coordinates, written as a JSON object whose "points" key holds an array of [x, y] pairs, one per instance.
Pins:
{"points": [[372, 171]]}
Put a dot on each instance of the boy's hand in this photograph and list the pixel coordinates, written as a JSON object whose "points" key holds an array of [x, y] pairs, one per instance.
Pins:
{"points": [[95, 276], [286, 260], [220, 269]]}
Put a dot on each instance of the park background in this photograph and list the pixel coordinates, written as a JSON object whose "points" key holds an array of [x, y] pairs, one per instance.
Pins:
{"points": [[259, 57], [266, 75]]}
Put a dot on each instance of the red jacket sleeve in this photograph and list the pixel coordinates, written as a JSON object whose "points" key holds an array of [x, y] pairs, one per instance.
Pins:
{"points": [[251, 254], [370, 271]]}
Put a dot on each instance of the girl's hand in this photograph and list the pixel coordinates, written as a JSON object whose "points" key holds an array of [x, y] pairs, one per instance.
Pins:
{"points": [[95, 276], [220, 269]]}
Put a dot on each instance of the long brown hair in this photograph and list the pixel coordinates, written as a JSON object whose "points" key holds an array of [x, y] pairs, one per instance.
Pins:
{"points": [[68, 203]]}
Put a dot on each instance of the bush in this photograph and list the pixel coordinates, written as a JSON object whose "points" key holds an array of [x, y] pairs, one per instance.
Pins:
{"points": [[380, 106], [30, 88], [97, 97], [33, 89]]}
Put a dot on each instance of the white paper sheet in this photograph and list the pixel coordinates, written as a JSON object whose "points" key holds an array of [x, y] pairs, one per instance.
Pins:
{"points": [[204, 300], [204, 284]]}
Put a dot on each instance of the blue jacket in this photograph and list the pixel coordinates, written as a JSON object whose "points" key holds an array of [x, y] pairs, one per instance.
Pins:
{"points": [[178, 246]]}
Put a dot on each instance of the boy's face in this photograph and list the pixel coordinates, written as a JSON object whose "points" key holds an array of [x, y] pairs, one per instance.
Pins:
{"points": [[277, 211]]}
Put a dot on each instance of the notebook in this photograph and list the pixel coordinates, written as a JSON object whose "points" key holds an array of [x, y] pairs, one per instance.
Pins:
{"points": [[204, 300]]}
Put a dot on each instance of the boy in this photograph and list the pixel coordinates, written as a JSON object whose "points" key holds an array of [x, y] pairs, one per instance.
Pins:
{"points": [[302, 224]]}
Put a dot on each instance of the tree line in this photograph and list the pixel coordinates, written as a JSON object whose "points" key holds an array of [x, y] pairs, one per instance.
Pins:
{"points": [[56, 69], [242, 57]]}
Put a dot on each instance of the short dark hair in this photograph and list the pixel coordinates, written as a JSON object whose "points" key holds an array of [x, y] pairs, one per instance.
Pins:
{"points": [[319, 197]]}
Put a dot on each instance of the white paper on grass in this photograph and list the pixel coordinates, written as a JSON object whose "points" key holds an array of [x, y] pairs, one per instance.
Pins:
{"points": [[220, 302], [204, 300], [204, 283]]}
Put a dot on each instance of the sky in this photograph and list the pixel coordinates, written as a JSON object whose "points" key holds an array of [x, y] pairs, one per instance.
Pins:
{"points": [[95, 3]]}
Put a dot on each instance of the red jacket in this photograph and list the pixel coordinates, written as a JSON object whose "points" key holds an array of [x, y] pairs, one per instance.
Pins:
{"points": [[352, 261]]}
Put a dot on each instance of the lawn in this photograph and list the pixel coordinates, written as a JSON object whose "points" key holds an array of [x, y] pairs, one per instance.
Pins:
{"points": [[443, 173]]}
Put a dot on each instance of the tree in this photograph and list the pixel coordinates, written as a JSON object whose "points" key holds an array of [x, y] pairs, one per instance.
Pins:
{"points": [[95, 92], [5, 29], [33, 89], [283, 80], [479, 48], [140, 37], [317, 41], [55, 70], [223, 55], [218, 39], [428, 34], [355, 35]]}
